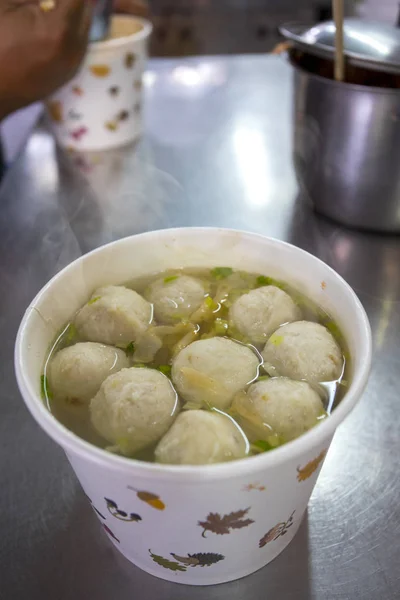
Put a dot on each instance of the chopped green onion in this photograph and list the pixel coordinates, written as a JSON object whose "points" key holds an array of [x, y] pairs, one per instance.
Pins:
{"points": [[333, 328], [276, 340], [71, 334], [220, 326], [123, 443], [165, 370], [192, 405], [130, 349], [140, 366], [262, 445], [221, 272], [93, 300], [263, 378], [46, 393], [262, 280], [274, 440], [209, 302], [170, 278]]}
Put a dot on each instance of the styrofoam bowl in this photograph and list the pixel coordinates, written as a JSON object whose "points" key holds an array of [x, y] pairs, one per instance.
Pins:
{"points": [[197, 525]]}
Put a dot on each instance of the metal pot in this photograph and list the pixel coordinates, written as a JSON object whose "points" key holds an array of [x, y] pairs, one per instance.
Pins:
{"points": [[347, 149]]}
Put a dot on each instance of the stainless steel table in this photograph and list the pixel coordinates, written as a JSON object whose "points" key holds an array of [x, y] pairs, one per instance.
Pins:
{"points": [[217, 151]]}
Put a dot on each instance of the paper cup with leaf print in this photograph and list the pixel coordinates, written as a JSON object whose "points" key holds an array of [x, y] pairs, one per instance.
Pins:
{"points": [[196, 525], [101, 107]]}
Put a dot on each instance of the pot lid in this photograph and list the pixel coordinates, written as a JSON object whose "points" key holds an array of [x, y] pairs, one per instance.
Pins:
{"points": [[366, 43]]}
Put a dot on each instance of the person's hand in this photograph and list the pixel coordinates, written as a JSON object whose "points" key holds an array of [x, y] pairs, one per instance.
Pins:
{"points": [[42, 43], [139, 8]]}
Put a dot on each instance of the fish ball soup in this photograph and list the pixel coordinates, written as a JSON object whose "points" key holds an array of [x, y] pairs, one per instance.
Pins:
{"points": [[196, 366]]}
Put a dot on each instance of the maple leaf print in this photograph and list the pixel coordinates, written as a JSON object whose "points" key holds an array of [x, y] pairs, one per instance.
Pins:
{"points": [[222, 525]]}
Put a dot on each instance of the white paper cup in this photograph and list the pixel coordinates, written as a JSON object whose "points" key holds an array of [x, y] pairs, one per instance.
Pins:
{"points": [[206, 524], [101, 107]]}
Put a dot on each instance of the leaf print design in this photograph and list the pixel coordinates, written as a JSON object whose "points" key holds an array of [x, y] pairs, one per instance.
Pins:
{"points": [[276, 532], [121, 514], [310, 468], [206, 559], [138, 85], [150, 498], [254, 486], [270, 535], [74, 115], [77, 134], [100, 70], [95, 509], [222, 525], [183, 563], [78, 91], [186, 560], [123, 115], [166, 563], [110, 533], [111, 125], [55, 109], [130, 59], [98, 512]]}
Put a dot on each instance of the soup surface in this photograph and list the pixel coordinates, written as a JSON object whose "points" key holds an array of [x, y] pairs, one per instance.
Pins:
{"points": [[196, 366]]}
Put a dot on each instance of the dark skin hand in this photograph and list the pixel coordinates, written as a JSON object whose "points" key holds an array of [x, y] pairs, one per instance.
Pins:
{"points": [[39, 51]]}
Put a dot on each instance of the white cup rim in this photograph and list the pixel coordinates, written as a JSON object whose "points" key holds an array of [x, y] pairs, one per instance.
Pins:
{"points": [[144, 33], [196, 473]]}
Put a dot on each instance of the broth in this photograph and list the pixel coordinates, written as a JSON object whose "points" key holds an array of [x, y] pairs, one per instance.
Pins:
{"points": [[223, 286]]}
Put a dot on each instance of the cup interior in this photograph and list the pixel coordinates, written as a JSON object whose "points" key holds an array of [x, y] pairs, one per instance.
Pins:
{"points": [[123, 27], [154, 252], [124, 30]]}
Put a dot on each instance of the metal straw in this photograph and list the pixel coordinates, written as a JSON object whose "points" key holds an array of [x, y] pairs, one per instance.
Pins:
{"points": [[101, 19], [338, 15]]}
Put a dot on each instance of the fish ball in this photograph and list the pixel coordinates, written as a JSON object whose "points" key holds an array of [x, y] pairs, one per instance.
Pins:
{"points": [[76, 373], [175, 298], [278, 410], [257, 314], [211, 371], [303, 350], [134, 408], [200, 437], [114, 315]]}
